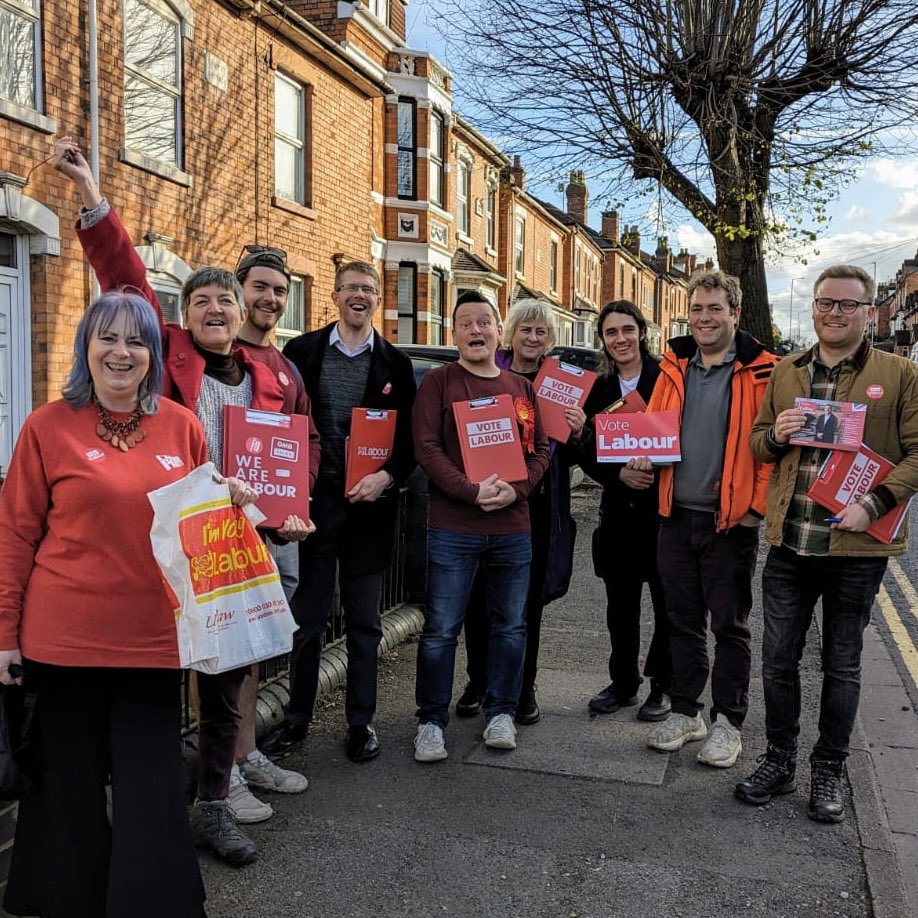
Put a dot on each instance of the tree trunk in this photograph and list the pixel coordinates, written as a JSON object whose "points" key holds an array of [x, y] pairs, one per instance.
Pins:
{"points": [[743, 258]]}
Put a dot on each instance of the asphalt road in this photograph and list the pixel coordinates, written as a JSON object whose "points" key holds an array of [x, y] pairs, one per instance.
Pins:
{"points": [[581, 821]]}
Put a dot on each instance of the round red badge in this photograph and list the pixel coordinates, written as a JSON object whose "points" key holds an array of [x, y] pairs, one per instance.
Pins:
{"points": [[875, 391], [254, 445]]}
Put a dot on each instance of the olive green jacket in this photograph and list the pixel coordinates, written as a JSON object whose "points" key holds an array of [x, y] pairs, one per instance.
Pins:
{"points": [[888, 385]]}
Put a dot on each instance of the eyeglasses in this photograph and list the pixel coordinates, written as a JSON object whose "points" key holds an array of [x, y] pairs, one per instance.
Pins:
{"points": [[848, 307], [359, 288]]}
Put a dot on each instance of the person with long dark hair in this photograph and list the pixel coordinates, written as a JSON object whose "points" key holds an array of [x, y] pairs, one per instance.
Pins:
{"points": [[625, 543]]}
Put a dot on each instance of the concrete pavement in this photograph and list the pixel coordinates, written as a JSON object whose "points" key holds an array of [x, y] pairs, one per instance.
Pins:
{"points": [[581, 821]]}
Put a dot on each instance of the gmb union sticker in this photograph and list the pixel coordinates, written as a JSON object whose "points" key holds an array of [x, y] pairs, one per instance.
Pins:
{"points": [[875, 391]]}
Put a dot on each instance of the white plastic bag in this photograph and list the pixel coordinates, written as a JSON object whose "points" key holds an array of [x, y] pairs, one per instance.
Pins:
{"points": [[230, 605]]}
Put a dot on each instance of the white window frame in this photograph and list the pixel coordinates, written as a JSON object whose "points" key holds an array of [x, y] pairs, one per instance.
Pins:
{"points": [[519, 244], [435, 321], [554, 247], [293, 321], [491, 217], [407, 302], [297, 142], [380, 9], [437, 157], [30, 12], [464, 198], [176, 92]]}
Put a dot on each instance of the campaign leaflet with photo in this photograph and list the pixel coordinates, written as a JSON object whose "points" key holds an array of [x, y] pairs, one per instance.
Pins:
{"points": [[830, 425], [845, 477], [369, 445], [560, 385], [489, 439], [270, 452], [620, 437]]}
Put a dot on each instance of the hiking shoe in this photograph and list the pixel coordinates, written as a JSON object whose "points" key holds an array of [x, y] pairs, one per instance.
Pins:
{"points": [[245, 806], [428, 744], [775, 775], [470, 701], [677, 730], [826, 801], [657, 707], [722, 747], [500, 732], [259, 771], [607, 702], [527, 708], [213, 827]]}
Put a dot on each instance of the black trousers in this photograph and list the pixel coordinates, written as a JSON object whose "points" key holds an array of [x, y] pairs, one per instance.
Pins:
{"points": [[326, 555], [703, 570], [68, 861]]}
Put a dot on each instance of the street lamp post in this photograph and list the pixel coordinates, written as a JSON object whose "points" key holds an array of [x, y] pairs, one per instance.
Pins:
{"points": [[790, 318]]}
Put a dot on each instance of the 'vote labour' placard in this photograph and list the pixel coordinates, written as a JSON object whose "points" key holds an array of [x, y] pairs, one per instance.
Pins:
{"points": [[489, 439], [558, 386], [631, 436]]}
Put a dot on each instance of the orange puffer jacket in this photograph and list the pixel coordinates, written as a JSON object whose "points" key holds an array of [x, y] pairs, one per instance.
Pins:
{"points": [[744, 482]]}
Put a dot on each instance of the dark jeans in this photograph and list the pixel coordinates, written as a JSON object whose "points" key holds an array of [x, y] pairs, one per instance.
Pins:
{"points": [[623, 620], [791, 584], [453, 559], [218, 730], [326, 558], [703, 570], [98, 724]]}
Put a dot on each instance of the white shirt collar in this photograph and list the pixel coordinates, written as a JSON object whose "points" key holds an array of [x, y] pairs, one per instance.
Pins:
{"points": [[335, 341]]}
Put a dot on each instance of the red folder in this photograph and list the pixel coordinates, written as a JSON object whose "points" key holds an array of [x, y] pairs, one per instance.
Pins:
{"points": [[269, 451], [558, 386], [637, 434], [489, 439], [369, 446], [846, 476], [628, 404]]}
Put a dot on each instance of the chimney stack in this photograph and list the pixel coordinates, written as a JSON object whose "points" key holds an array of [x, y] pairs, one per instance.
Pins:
{"points": [[517, 173], [610, 225], [577, 197], [631, 240]]}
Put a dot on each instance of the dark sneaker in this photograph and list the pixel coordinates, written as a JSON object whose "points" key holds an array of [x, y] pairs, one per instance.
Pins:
{"points": [[657, 707], [607, 702], [527, 708], [775, 775], [826, 801], [470, 701], [282, 738], [214, 827]]}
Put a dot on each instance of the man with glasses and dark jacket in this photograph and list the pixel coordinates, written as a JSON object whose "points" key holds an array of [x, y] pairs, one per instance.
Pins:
{"points": [[344, 366], [815, 554]]}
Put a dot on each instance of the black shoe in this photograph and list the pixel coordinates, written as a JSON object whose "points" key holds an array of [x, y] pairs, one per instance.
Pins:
{"points": [[607, 702], [527, 708], [775, 775], [214, 827], [826, 801], [470, 701], [658, 705], [362, 743], [279, 741]]}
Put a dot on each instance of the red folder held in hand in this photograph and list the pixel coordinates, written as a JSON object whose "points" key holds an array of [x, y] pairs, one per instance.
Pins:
{"points": [[369, 446], [270, 452], [558, 386], [489, 439]]}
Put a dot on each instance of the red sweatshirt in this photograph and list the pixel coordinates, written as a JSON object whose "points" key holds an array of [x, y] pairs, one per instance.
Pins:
{"points": [[78, 582], [436, 445]]}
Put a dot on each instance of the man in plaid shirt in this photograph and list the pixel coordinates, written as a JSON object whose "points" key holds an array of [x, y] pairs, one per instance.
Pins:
{"points": [[815, 555]]}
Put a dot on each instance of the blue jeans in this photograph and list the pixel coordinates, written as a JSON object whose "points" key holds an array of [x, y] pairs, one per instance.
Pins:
{"points": [[453, 559], [791, 584]]}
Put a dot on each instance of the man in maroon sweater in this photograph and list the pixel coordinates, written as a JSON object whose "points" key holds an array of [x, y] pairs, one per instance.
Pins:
{"points": [[471, 524]]}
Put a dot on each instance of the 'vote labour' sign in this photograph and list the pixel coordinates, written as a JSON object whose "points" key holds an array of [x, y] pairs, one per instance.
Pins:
{"points": [[623, 437]]}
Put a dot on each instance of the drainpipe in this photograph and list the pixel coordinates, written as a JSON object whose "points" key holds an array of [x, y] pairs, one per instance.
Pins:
{"points": [[94, 107]]}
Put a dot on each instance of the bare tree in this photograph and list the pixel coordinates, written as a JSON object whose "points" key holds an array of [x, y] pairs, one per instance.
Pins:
{"points": [[745, 111]]}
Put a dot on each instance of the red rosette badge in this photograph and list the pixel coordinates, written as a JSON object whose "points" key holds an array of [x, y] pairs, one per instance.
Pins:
{"points": [[525, 417]]}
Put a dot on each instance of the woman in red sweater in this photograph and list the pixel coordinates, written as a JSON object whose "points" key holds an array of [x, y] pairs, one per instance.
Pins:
{"points": [[84, 612]]}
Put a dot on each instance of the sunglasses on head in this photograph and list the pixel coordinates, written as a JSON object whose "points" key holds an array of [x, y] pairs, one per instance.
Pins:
{"points": [[262, 253]]}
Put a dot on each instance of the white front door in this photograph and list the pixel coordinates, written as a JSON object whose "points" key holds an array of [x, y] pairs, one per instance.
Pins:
{"points": [[15, 347]]}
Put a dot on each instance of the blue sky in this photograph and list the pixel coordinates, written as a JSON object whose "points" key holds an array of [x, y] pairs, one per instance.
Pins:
{"points": [[874, 221]]}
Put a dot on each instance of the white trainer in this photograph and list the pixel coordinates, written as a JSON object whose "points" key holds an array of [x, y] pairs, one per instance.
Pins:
{"points": [[500, 732], [245, 806], [677, 730], [428, 744], [259, 771], [723, 745]]}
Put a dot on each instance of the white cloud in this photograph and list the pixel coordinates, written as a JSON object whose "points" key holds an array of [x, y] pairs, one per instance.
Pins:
{"points": [[856, 212], [907, 214], [696, 240], [896, 173]]}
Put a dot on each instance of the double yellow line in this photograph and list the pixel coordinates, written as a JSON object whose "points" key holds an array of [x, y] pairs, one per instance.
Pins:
{"points": [[894, 620]]}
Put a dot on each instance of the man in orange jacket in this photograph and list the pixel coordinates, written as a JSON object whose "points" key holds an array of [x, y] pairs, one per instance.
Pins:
{"points": [[711, 504]]}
